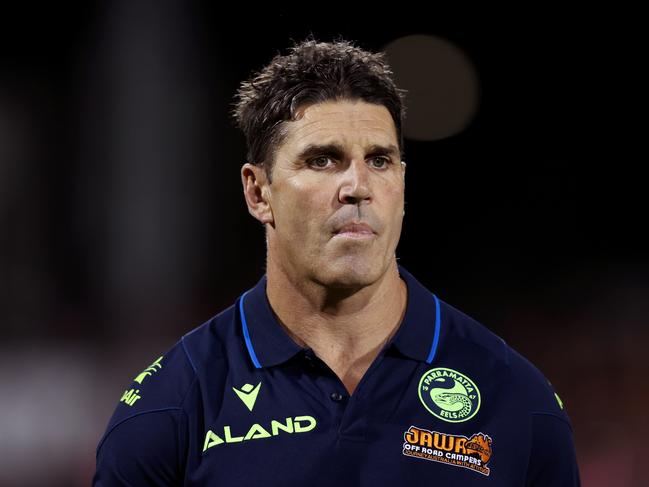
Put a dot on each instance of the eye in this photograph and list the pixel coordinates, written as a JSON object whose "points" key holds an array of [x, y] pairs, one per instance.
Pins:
{"points": [[319, 162], [383, 161]]}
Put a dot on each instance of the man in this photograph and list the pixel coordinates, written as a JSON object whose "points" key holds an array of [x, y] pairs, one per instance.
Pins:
{"points": [[338, 367]]}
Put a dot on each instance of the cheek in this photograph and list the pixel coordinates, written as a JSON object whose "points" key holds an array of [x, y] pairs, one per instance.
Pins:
{"points": [[394, 195], [300, 214], [396, 202]]}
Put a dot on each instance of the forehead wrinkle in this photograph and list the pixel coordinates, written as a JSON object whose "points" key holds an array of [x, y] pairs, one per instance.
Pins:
{"points": [[374, 122], [365, 132]]}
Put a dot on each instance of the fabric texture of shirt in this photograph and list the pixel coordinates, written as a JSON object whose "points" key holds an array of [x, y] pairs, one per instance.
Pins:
{"points": [[237, 402]]}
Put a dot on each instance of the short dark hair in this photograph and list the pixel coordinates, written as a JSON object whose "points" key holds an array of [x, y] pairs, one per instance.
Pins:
{"points": [[313, 72]]}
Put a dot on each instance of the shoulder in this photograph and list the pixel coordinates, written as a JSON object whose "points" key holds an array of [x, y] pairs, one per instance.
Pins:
{"points": [[473, 334], [143, 442], [534, 390], [166, 382], [522, 394], [541, 397], [159, 387], [208, 343], [147, 435]]}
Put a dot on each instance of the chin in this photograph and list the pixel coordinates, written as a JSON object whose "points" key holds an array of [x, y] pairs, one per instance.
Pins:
{"points": [[349, 273]]}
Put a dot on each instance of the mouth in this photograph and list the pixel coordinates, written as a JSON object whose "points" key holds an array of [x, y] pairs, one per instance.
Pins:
{"points": [[358, 231]]}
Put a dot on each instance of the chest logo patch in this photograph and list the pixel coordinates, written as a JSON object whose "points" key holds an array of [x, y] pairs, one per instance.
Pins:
{"points": [[449, 395], [248, 394], [473, 453]]}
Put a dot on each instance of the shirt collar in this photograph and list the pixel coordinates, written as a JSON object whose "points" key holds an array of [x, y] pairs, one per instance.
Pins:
{"points": [[268, 344]]}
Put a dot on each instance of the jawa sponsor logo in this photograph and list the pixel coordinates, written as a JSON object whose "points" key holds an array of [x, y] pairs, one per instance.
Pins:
{"points": [[473, 453], [298, 424]]}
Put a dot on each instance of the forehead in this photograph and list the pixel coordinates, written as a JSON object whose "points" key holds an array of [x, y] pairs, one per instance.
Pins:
{"points": [[342, 122]]}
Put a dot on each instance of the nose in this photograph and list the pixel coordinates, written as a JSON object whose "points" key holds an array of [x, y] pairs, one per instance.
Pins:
{"points": [[355, 185]]}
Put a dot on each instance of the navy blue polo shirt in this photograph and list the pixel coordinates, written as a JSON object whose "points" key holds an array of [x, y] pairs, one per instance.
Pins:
{"points": [[237, 402]]}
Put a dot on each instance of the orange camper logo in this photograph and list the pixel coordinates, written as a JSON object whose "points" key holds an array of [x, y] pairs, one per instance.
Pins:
{"points": [[473, 453]]}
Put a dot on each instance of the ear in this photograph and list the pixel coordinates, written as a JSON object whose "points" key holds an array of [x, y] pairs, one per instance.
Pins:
{"points": [[256, 190]]}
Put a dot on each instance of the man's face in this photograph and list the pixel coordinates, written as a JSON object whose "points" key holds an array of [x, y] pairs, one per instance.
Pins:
{"points": [[338, 165]]}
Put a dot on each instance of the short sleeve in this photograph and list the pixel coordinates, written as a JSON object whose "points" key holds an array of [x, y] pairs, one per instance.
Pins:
{"points": [[145, 442], [553, 461], [143, 450]]}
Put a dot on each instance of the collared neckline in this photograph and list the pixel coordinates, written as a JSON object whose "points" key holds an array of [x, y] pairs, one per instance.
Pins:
{"points": [[268, 344]]}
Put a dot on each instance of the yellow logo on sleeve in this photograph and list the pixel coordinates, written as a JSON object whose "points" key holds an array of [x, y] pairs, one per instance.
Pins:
{"points": [[150, 370], [131, 396]]}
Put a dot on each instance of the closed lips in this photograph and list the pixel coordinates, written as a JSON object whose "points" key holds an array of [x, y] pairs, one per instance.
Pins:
{"points": [[355, 228]]}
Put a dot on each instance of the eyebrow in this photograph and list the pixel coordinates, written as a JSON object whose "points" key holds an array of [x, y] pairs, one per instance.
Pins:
{"points": [[337, 150]]}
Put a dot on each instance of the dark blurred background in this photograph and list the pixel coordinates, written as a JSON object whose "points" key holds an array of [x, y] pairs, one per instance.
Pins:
{"points": [[123, 224]]}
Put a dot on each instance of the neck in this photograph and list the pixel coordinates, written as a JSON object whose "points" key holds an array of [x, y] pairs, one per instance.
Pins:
{"points": [[345, 328]]}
